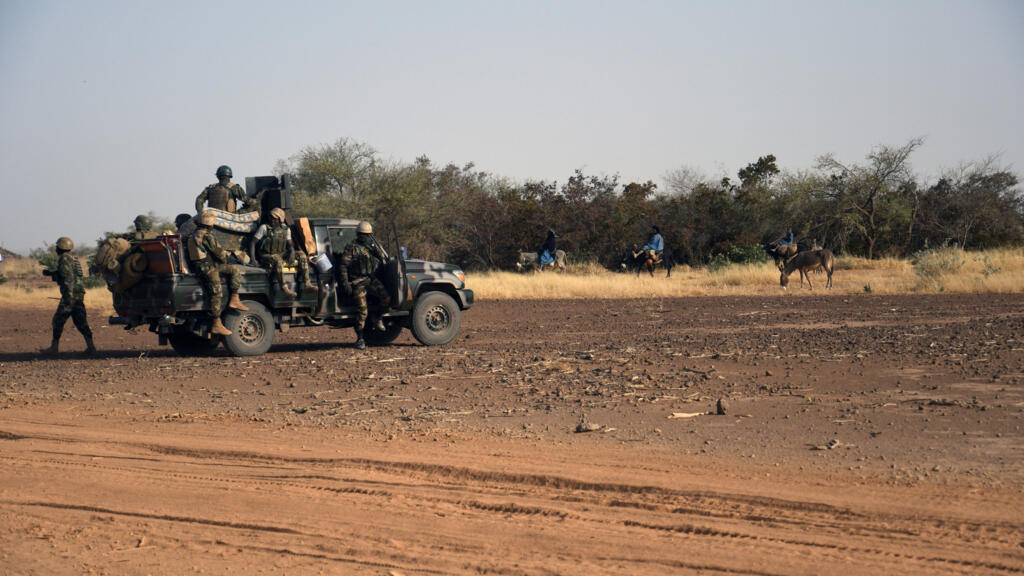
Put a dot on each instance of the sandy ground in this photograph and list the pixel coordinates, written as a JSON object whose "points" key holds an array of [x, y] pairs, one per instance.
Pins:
{"points": [[861, 435]]}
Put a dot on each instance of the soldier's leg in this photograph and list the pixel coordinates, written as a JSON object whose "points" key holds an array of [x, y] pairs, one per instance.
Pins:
{"points": [[380, 293], [212, 277], [234, 283], [278, 270], [359, 297], [60, 317], [301, 268], [81, 320]]}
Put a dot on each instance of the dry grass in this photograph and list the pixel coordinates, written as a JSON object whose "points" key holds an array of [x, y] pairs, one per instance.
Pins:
{"points": [[994, 271], [26, 287]]}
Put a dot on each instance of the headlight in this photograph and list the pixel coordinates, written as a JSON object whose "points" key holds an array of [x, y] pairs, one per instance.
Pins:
{"points": [[461, 276]]}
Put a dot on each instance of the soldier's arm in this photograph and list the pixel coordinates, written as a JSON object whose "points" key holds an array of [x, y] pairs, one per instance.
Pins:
{"points": [[255, 241], [200, 200], [65, 271], [289, 251], [346, 259], [240, 198], [214, 249]]}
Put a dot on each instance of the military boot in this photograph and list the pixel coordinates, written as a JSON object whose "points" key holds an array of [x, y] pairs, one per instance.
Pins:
{"points": [[235, 303], [288, 292], [218, 328], [52, 350], [90, 348], [378, 325], [360, 343]]}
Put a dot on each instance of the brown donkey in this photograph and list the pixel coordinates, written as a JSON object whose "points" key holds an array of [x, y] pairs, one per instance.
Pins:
{"points": [[806, 262]]}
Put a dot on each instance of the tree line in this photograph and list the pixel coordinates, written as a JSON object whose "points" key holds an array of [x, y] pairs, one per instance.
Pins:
{"points": [[875, 208]]}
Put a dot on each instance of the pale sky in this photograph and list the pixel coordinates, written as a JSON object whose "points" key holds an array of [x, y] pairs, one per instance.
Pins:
{"points": [[111, 109]]}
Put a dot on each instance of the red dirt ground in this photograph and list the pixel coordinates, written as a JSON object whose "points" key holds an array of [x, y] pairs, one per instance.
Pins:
{"points": [[861, 435]]}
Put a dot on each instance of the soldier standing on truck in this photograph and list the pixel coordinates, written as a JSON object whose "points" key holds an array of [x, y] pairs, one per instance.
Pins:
{"points": [[273, 248], [224, 195], [210, 260], [359, 261], [68, 276]]}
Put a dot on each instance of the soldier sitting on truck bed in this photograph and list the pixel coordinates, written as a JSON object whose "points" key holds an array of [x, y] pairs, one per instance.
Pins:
{"points": [[359, 261], [143, 229], [273, 248], [210, 261], [224, 195]]}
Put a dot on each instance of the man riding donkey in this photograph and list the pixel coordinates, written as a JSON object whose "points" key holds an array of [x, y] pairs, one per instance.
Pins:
{"points": [[546, 254], [654, 247]]}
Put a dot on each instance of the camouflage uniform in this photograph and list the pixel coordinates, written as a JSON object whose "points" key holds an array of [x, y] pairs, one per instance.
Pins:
{"points": [[68, 277], [222, 196], [272, 242], [359, 261], [210, 261]]}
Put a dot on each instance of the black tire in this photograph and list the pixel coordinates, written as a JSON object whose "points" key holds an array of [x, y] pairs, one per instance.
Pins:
{"points": [[192, 345], [436, 319], [375, 338], [252, 332]]}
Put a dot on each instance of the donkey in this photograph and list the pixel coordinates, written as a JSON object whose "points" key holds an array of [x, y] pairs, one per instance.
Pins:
{"points": [[805, 262], [530, 261], [640, 260], [782, 253]]}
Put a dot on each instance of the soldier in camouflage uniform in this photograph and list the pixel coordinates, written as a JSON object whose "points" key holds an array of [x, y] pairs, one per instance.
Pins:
{"points": [[210, 261], [273, 248], [68, 276], [359, 261], [143, 229], [224, 195]]}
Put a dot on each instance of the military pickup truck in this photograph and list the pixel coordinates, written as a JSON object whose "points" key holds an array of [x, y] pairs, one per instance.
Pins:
{"points": [[426, 297]]}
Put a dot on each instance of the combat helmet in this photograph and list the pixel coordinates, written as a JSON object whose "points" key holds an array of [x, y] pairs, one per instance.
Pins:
{"points": [[143, 222], [224, 171], [207, 218], [277, 213], [364, 228], [64, 243]]}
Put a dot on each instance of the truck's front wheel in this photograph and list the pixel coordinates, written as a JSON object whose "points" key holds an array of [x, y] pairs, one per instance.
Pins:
{"points": [[252, 331], [436, 319]]}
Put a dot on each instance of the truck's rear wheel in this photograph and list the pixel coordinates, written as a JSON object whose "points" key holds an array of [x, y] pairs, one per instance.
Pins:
{"points": [[192, 345], [252, 331], [392, 329], [436, 319]]}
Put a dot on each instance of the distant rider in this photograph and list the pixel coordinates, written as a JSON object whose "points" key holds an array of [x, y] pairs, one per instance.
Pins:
{"points": [[68, 277], [546, 254], [360, 260], [210, 261], [655, 243], [224, 195], [787, 239]]}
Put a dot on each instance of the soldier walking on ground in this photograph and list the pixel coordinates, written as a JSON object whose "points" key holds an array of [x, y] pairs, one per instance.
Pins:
{"points": [[68, 277], [359, 262], [224, 195], [273, 248], [210, 261]]}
